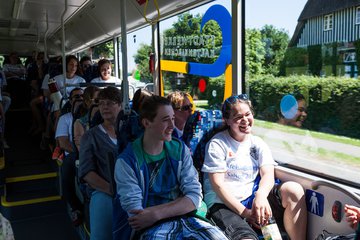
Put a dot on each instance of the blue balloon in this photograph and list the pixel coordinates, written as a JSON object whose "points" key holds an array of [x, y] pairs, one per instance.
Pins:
{"points": [[288, 106]]}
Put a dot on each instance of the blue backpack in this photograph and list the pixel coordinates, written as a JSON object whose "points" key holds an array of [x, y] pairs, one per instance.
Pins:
{"points": [[199, 129]]}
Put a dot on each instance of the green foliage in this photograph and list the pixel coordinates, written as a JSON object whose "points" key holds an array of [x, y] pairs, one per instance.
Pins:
{"points": [[104, 50], [315, 59], [141, 58], [333, 103], [276, 42], [254, 52], [357, 52]]}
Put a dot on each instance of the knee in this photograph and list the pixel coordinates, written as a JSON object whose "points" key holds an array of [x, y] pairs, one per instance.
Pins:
{"points": [[291, 192]]}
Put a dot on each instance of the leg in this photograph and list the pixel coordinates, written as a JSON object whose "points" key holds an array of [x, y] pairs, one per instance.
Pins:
{"points": [[234, 226], [295, 215], [100, 216]]}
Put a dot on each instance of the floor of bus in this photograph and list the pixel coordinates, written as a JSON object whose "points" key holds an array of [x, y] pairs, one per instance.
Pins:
{"points": [[31, 203]]}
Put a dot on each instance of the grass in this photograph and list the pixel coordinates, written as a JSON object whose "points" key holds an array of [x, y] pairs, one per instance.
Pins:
{"points": [[298, 131]]}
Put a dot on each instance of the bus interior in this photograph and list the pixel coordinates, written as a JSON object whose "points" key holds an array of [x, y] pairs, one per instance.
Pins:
{"points": [[212, 65]]}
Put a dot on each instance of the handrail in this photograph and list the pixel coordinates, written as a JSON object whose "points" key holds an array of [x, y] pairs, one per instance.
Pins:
{"points": [[316, 184], [63, 46], [125, 81]]}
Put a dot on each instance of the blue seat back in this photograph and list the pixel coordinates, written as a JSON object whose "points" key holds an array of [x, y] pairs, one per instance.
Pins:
{"points": [[128, 128], [199, 129]]}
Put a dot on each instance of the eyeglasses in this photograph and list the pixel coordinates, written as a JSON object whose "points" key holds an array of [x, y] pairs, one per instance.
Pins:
{"points": [[107, 103], [233, 99], [185, 108]]}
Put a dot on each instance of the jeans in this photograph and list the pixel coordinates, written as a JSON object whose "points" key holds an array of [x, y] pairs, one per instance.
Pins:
{"points": [[101, 211]]}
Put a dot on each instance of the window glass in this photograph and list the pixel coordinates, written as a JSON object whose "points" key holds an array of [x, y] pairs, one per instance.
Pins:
{"points": [[304, 86], [139, 49], [189, 53], [328, 22], [358, 15]]}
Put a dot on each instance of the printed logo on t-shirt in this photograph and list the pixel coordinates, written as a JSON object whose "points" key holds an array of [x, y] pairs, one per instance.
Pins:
{"points": [[231, 154]]}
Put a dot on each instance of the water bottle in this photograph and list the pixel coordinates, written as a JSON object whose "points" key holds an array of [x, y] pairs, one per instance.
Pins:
{"points": [[270, 230]]}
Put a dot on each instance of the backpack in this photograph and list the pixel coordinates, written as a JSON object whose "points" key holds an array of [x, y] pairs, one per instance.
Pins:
{"points": [[199, 129], [128, 128]]}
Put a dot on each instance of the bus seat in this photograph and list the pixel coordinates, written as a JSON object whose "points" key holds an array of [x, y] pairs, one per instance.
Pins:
{"points": [[199, 129], [128, 128]]}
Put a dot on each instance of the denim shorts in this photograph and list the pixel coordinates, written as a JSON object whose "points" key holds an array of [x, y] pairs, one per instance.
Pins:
{"points": [[235, 227]]}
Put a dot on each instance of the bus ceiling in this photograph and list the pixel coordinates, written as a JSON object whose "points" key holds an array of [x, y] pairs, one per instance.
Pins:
{"points": [[23, 23]]}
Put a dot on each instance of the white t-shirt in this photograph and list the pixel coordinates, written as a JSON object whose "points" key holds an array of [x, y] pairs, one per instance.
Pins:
{"points": [[60, 83], [111, 80], [64, 127], [240, 161]]}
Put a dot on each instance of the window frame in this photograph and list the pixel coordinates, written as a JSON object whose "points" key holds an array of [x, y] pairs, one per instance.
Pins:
{"points": [[328, 22], [357, 16]]}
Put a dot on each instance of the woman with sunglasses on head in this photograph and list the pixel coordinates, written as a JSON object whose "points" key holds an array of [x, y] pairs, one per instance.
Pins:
{"points": [[96, 144], [239, 186], [183, 108]]}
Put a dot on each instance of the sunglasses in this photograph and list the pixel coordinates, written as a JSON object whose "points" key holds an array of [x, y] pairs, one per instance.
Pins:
{"points": [[233, 99], [185, 108]]}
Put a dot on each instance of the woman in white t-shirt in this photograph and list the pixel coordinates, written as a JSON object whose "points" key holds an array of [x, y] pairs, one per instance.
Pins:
{"points": [[72, 77], [104, 66], [239, 182]]}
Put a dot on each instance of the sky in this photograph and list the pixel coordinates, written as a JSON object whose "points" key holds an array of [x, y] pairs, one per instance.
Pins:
{"points": [[283, 14]]}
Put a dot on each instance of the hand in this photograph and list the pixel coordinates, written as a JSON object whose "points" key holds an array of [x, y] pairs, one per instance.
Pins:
{"points": [[250, 218], [261, 208], [142, 219], [352, 215]]}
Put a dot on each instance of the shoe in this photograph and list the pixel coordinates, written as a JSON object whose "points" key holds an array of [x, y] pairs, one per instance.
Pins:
{"points": [[57, 152], [76, 218]]}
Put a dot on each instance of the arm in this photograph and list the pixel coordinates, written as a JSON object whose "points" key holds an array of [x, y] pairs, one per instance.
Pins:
{"points": [[97, 182], [352, 214], [65, 144], [78, 133], [261, 207], [149, 216], [218, 185], [190, 198]]}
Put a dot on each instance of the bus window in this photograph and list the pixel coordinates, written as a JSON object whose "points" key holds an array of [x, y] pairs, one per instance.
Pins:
{"points": [[304, 86], [139, 48], [184, 41]]}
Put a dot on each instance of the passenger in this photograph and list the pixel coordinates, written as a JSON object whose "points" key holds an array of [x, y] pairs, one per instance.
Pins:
{"points": [[298, 119], [150, 166], [96, 144], [14, 69], [352, 214], [86, 68], [104, 67], [139, 97], [81, 125], [64, 137], [4, 106], [36, 74], [183, 108], [239, 179], [72, 71]]}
